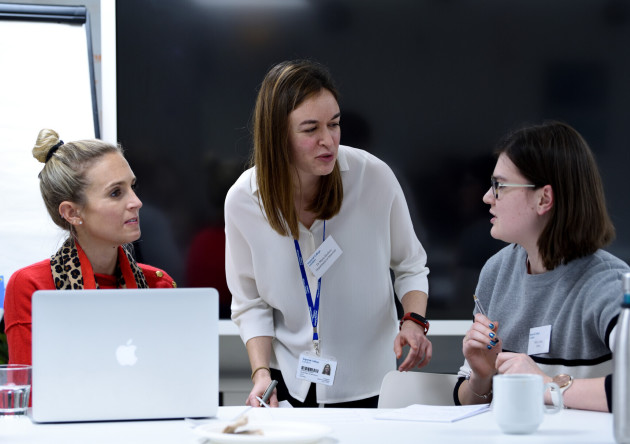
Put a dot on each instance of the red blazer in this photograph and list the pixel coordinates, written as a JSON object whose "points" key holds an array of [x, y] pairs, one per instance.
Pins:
{"points": [[20, 289]]}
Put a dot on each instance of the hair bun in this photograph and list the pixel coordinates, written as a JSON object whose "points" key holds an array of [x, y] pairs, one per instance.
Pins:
{"points": [[47, 143]]}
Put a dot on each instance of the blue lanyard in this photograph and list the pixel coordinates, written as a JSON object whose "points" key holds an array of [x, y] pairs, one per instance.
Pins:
{"points": [[313, 306]]}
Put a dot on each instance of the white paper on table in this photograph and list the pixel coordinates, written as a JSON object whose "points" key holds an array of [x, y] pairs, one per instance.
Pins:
{"points": [[433, 413]]}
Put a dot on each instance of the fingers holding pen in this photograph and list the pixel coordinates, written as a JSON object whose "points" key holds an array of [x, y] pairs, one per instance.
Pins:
{"points": [[481, 346], [478, 340], [485, 326], [483, 333]]}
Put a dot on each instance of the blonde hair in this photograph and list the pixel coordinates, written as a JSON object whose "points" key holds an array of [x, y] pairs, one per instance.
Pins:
{"points": [[63, 176], [284, 88]]}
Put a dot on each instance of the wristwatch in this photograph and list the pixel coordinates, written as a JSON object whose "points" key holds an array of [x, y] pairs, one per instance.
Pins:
{"points": [[564, 381], [418, 319]]}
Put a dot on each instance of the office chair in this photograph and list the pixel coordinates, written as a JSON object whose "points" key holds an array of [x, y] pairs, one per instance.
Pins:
{"points": [[401, 389]]}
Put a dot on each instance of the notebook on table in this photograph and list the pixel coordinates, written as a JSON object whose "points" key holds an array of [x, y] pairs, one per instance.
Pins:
{"points": [[103, 355]]}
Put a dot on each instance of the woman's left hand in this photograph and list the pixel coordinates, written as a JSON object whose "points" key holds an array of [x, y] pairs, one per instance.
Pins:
{"points": [[517, 363], [420, 348]]}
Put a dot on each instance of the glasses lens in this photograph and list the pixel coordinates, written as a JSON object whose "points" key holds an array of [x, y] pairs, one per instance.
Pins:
{"points": [[495, 187]]}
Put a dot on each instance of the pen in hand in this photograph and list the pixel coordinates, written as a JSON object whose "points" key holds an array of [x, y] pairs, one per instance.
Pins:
{"points": [[267, 394], [478, 305], [494, 340]]}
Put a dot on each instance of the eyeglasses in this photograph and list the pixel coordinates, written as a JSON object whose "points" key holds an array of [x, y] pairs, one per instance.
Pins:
{"points": [[496, 185]]}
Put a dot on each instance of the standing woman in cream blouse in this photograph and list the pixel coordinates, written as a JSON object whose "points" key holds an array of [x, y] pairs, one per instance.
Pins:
{"points": [[303, 304]]}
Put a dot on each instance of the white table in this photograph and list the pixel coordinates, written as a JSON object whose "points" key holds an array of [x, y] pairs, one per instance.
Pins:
{"points": [[348, 425]]}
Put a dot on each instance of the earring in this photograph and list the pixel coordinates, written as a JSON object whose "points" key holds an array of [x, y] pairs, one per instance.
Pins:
{"points": [[80, 222]]}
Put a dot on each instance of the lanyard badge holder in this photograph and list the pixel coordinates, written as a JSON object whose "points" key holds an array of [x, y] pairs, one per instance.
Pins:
{"points": [[313, 306], [314, 367]]}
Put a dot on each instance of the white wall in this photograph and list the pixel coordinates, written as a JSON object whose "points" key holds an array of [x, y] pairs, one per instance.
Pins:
{"points": [[27, 234]]}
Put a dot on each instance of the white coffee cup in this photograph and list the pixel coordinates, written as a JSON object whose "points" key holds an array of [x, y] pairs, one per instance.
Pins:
{"points": [[518, 402]]}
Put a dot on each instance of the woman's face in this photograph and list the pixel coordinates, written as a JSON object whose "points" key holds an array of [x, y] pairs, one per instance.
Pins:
{"points": [[314, 135], [514, 213], [111, 214]]}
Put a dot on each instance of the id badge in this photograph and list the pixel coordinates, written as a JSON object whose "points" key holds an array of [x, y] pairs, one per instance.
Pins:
{"points": [[326, 255], [539, 339], [316, 369]]}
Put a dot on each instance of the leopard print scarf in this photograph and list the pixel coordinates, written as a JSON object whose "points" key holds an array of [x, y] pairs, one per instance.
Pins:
{"points": [[71, 269]]}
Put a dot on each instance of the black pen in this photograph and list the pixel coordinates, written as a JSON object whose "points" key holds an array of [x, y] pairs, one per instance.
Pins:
{"points": [[268, 392]]}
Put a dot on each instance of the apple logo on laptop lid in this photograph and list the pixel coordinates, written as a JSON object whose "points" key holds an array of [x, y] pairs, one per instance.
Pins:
{"points": [[126, 353]]}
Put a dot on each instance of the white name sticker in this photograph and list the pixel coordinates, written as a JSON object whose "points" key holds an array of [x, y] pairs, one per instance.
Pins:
{"points": [[316, 369], [326, 255], [539, 339]]}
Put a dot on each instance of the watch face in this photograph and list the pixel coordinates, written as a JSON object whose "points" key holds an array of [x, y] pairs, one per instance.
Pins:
{"points": [[562, 380]]}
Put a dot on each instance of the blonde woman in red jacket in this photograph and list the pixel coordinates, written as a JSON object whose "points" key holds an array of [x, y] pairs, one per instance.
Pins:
{"points": [[88, 189]]}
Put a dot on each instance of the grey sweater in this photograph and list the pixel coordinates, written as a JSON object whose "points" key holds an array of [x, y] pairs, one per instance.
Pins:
{"points": [[580, 300]]}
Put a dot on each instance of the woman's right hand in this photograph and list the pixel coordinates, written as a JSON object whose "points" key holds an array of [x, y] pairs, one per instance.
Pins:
{"points": [[259, 352], [262, 379], [481, 346]]}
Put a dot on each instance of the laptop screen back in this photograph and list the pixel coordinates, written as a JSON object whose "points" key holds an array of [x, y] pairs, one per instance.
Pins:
{"points": [[124, 354]]}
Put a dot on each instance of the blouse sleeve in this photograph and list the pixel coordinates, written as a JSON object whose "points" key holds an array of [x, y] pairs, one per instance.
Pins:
{"points": [[250, 312]]}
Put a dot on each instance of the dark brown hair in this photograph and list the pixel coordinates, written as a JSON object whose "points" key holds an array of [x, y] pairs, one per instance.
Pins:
{"points": [[283, 89], [553, 153]]}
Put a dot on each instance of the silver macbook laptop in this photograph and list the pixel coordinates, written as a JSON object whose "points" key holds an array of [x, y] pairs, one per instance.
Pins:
{"points": [[102, 355]]}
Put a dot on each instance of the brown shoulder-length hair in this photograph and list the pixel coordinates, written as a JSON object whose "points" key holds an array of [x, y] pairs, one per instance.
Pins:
{"points": [[554, 153], [283, 89]]}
